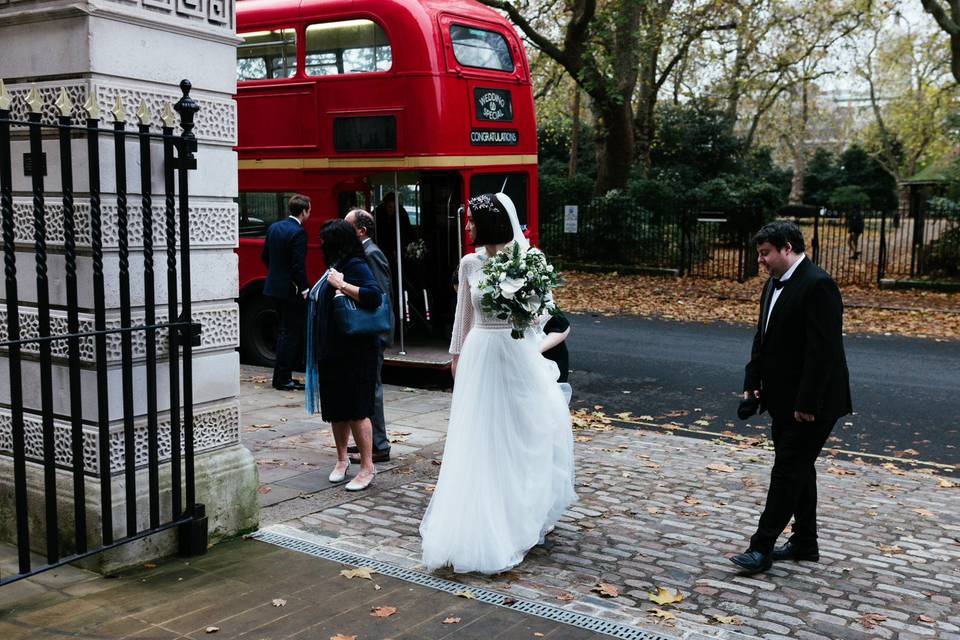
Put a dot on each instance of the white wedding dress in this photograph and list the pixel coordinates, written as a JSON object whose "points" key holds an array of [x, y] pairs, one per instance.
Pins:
{"points": [[507, 472]]}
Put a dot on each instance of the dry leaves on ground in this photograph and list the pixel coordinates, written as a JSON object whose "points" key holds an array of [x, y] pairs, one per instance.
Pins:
{"points": [[867, 309], [279, 602], [926, 619], [211, 629], [663, 615], [342, 637], [606, 590], [726, 619], [871, 620], [363, 572], [451, 620], [465, 594], [566, 597], [924, 513], [382, 612], [665, 596], [717, 466]]}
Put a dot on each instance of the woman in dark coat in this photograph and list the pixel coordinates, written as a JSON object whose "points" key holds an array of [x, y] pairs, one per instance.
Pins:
{"points": [[342, 370]]}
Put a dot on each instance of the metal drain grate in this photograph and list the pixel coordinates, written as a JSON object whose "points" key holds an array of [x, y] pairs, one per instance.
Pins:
{"points": [[482, 595]]}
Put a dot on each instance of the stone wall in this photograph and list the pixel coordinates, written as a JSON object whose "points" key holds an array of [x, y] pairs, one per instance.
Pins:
{"points": [[137, 51]]}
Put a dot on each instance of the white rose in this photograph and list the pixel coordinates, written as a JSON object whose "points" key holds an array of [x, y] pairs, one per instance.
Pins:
{"points": [[550, 268], [510, 286]]}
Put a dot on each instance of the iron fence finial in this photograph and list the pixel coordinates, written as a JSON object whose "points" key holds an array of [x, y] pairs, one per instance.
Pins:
{"points": [[143, 112], [118, 111], [5, 99], [34, 100], [64, 104], [92, 106], [168, 116]]}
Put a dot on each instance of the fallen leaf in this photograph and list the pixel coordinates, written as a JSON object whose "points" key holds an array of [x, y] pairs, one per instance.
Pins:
{"points": [[263, 490], [343, 637], [149, 565], [726, 620], [716, 466], [537, 634], [362, 572], [664, 596], [382, 612], [923, 513], [465, 594], [691, 501], [664, 615], [946, 484], [871, 620], [451, 620], [837, 471], [582, 439], [926, 619], [279, 602], [508, 602], [211, 629], [890, 549], [606, 590], [566, 597]]}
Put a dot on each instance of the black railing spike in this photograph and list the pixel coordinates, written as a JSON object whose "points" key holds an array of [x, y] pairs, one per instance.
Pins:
{"points": [[187, 107]]}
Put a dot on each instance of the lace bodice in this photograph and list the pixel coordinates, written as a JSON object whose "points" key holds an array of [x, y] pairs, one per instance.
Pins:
{"points": [[469, 314]]}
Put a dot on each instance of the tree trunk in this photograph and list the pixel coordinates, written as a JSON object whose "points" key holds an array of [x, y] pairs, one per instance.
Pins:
{"points": [[800, 150], [647, 92], [615, 146], [575, 132]]}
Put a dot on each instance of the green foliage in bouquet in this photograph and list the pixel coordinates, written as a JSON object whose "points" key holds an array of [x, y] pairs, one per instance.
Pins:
{"points": [[516, 285]]}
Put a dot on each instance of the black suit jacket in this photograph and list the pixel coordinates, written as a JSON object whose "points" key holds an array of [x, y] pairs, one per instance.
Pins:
{"points": [[378, 264], [285, 254], [798, 364]]}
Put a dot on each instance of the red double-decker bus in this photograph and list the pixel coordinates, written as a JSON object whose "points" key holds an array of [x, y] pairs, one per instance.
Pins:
{"points": [[348, 101]]}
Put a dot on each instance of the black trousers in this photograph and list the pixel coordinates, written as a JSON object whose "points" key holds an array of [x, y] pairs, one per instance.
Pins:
{"points": [[793, 485], [292, 312]]}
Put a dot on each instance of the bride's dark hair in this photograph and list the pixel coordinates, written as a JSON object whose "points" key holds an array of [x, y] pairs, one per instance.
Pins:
{"points": [[491, 220]]}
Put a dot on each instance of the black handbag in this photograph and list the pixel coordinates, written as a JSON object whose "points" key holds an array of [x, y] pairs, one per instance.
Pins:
{"points": [[354, 321]]}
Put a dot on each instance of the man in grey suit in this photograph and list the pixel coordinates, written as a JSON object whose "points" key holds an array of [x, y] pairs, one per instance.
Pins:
{"points": [[366, 227]]}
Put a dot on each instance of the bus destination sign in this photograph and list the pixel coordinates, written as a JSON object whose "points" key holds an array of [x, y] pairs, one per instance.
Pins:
{"points": [[493, 104], [495, 137]]}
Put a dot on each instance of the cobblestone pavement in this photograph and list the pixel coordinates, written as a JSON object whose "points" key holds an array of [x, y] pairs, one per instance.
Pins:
{"points": [[655, 510]]}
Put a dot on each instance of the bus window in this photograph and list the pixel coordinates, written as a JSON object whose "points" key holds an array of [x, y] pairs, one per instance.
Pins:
{"points": [[515, 188], [267, 55], [349, 46], [480, 48], [259, 210]]}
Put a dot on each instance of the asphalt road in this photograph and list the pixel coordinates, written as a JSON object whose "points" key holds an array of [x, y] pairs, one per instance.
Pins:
{"points": [[906, 391]]}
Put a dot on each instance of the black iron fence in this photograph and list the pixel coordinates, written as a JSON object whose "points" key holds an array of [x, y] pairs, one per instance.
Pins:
{"points": [[925, 246], [40, 348]]}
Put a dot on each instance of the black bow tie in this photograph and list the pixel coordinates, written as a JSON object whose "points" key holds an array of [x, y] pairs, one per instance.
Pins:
{"points": [[778, 283]]}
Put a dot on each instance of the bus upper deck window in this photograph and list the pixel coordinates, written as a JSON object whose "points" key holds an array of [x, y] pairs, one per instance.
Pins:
{"points": [[267, 55], [480, 48], [348, 46]]}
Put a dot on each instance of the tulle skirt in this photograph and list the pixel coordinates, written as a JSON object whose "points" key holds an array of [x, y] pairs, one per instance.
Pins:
{"points": [[507, 472]]}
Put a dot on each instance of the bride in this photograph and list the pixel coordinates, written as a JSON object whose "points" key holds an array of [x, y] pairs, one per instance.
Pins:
{"points": [[507, 473]]}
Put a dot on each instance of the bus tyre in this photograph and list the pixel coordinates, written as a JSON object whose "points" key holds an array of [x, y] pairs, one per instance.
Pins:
{"points": [[258, 331]]}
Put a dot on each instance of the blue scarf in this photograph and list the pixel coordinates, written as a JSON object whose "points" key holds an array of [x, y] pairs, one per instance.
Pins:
{"points": [[314, 307]]}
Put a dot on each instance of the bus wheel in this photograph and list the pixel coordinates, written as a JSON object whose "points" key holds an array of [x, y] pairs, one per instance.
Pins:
{"points": [[258, 331]]}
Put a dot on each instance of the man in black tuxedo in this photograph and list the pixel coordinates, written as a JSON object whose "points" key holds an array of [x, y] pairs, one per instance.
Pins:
{"points": [[797, 372], [366, 228], [285, 254]]}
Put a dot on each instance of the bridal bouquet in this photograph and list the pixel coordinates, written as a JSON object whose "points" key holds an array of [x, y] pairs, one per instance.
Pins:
{"points": [[515, 285]]}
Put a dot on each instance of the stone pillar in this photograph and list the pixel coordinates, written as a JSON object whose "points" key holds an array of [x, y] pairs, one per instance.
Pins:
{"points": [[138, 50]]}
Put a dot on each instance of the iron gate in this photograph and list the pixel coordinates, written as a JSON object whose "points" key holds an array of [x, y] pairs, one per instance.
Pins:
{"points": [[179, 332]]}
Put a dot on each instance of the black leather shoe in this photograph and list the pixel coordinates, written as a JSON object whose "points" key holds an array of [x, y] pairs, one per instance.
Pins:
{"points": [[752, 562], [789, 551], [378, 456], [291, 385]]}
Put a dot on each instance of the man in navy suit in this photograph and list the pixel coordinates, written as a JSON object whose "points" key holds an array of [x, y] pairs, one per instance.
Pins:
{"points": [[797, 372], [366, 227], [285, 254]]}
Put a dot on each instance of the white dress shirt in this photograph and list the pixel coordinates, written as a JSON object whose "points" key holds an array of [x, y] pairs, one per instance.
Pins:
{"points": [[776, 292]]}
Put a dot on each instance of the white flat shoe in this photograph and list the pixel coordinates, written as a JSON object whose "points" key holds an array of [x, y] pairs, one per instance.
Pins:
{"points": [[359, 485], [338, 476]]}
